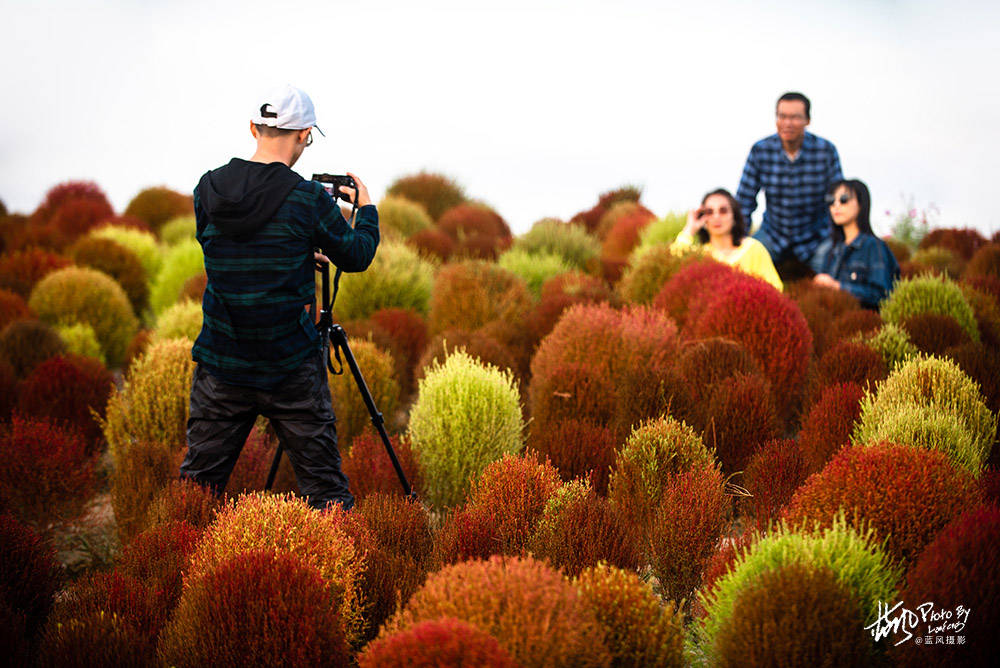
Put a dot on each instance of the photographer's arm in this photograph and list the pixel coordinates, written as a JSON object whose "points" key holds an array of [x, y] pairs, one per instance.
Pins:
{"points": [[351, 249]]}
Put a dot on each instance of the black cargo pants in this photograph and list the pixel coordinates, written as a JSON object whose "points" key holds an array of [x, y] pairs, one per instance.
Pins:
{"points": [[300, 411]]}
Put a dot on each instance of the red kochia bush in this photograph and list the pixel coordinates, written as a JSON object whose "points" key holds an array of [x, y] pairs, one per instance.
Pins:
{"points": [[906, 494], [707, 362], [28, 343], [686, 293], [157, 556], [76, 217], [66, 389], [107, 619], [985, 262], [8, 389], [408, 331], [821, 306], [769, 325], [436, 643], [257, 608], [20, 271], [741, 418], [850, 323], [569, 391], [578, 448], [623, 235], [829, 424], [585, 531], [562, 291], [48, 473], [960, 567], [184, 500], [964, 242], [981, 364], [29, 573], [68, 191], [467, 533], [531, 609], [591, 218], [689, 522], [850, 362], [477, 230], [12, 307], [513, 491], [432, 243], [773, 474], [369, 469], [398, 524], [254, 465], [934, 333]]}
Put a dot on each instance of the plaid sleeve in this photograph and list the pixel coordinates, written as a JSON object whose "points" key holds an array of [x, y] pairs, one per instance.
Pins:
{"points": [[351, 249], [749, 186], [835, 173]]}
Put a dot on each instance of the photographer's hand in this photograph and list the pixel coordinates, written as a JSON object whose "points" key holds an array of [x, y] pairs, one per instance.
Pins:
{"points": [[363, 198]]}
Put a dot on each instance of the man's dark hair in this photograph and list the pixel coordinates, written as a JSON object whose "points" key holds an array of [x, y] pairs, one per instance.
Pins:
{"points": [[794, 97], [739, 224], [268, 131], [860, 192]]}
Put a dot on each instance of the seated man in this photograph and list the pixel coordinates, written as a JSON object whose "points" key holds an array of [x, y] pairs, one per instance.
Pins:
{"points": [[795, 169]]}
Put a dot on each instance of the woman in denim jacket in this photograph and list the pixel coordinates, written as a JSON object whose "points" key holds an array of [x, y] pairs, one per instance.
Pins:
{"points": [[852, 258]]}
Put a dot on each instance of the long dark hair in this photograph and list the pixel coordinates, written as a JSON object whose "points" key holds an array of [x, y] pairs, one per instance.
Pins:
{"points": [[860, 192], [739, 224]]}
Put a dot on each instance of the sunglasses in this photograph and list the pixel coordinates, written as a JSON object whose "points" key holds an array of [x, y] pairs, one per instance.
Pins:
{"points": [[722, 210], [844, 199]]}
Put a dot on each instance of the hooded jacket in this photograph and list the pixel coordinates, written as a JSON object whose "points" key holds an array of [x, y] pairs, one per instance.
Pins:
{"points": [[258, 225]]}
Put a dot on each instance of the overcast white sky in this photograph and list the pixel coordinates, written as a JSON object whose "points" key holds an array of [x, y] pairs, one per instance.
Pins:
{"points": [[535, 107]]}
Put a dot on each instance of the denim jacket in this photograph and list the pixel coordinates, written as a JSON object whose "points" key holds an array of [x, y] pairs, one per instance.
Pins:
{"points": [[866, 267]]}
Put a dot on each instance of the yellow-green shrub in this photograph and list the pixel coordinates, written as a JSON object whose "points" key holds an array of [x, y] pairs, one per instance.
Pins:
{"points": [[534, 268], [400, 218], [929, 294], [466, 415], [180, 263], [145, 425], [397, 278], [75, 294], [178, 229], [930, 403], [180, 321], [570, 241], [80, 339], [662, 231]]}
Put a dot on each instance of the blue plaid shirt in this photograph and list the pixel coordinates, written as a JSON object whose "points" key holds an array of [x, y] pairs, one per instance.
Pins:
{"points": [[796, 216]]}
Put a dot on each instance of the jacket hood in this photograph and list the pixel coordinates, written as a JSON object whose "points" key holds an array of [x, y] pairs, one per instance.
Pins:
{"points": [[241, 197]]}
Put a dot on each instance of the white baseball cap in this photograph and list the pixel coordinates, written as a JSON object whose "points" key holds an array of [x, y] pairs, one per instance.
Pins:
{"points": [[286, 108]]}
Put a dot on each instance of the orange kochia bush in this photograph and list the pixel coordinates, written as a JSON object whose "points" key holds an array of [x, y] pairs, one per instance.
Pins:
{"points": [[905, 494]]}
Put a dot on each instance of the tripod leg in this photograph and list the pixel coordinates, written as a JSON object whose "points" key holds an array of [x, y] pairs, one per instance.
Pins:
{"points": [[338, 338]]}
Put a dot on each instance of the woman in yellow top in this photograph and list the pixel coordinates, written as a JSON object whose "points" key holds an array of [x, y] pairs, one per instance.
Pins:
{"points": [[719, 224]]}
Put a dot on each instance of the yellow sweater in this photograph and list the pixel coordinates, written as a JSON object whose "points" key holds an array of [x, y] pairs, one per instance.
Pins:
{"points": [[751, 257]]}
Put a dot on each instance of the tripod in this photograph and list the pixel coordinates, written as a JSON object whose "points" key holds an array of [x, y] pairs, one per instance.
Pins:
{"points": [[333, 336]]}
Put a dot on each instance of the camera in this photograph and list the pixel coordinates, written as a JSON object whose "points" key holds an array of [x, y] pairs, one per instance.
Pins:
{"points": [[333, 182]]}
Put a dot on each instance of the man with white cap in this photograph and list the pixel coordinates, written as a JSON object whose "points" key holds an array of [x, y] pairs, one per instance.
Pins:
{"points": [[258, 352]]}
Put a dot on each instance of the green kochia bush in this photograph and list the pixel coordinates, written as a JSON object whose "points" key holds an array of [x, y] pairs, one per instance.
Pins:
{"points": [[400, 218], [397, 278], [855, 559], [929, 294], [466, 415], [179, 264], [660, 232], [930, 403], [182, 320], [178, 230], [893, 343], [143, 244], [80, 339], [571, 242], [534, 268], [76, 294]]}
